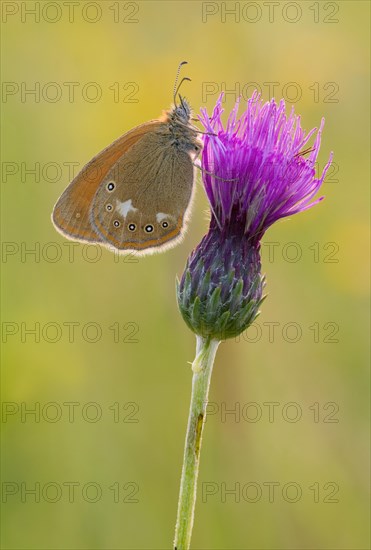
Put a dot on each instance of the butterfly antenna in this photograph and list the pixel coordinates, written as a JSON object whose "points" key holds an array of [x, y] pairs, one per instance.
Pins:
{"points": [[176, 80], [180, 83], [180, 98]]}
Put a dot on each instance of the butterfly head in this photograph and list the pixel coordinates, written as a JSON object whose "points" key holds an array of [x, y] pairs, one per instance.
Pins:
{"points": [[181, 112]]}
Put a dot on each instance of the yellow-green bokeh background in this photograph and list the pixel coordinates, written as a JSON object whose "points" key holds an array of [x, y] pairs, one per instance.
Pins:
{"points": [[154, 373]]}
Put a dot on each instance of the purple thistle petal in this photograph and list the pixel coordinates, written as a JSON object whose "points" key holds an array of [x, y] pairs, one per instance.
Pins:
{"points": [[261, 176]]}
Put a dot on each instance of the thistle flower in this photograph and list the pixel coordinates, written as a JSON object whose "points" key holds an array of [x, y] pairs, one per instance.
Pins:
{"points": [[254, 173]]}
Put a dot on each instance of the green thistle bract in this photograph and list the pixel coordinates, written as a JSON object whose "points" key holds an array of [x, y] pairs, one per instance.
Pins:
{"points": [[221, 289]]}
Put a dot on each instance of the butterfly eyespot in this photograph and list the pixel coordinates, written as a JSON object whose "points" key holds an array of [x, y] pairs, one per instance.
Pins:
{"points": [[148, 228], [78, 215], [132, 227], [108, 207], [110, 186], [116, 223], [165, 225]]}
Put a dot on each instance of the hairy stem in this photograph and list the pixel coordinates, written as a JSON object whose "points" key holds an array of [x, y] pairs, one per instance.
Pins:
{"points": [[202, 368]]}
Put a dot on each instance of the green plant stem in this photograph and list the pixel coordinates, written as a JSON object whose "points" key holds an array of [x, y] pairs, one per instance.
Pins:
{"points": [[202, 368]]}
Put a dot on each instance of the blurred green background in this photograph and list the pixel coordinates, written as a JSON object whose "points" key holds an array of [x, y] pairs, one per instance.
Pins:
{"points": [[107, 367]]}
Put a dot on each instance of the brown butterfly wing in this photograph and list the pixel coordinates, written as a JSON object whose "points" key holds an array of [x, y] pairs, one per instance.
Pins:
{"points": [[71, 214], [143, 199]]}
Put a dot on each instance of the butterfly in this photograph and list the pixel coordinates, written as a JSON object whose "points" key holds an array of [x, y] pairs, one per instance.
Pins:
{"points": [[136, 194]]}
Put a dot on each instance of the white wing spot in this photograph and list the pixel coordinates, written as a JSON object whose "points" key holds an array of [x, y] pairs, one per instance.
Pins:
{"points": [[125, 207], [161, 216]]}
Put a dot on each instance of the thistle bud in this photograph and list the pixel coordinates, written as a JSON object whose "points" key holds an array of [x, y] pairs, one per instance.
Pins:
{"points": [[221, 288]]}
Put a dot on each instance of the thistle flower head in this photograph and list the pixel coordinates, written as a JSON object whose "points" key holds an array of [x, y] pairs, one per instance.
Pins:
{"points": [[256, 170]]}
